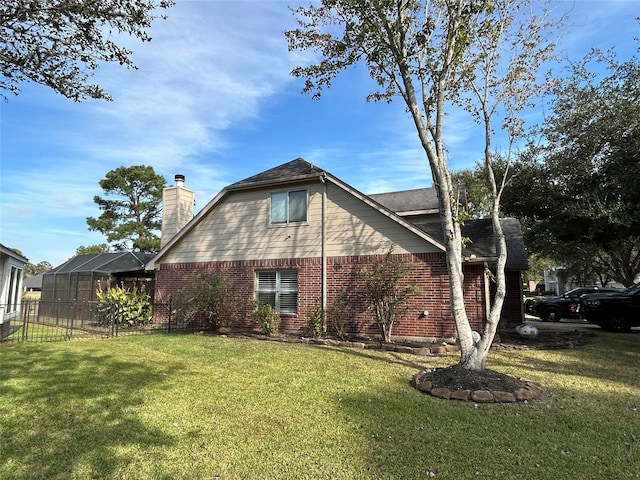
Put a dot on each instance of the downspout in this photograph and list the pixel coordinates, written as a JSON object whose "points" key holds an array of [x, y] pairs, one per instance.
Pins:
{"points": [[323, 240]]}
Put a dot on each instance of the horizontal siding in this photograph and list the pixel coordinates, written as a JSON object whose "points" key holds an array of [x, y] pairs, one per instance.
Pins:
{"points": [[238, 229], [355, 228]]}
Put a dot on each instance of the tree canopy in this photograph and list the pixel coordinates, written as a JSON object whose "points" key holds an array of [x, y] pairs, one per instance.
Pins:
{"points": [[130, 220], [582, 178], [92, 249], [479, 55], [60, 43]]}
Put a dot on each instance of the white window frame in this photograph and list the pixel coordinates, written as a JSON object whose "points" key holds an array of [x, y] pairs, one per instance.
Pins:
{"points": [[13, 290], [283, 216], [280, 291]]}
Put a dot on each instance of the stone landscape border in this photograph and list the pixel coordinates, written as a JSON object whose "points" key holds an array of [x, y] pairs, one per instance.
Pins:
{"points": [[528, 392]]}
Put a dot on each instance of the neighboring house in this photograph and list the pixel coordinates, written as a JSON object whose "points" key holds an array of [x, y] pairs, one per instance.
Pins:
{"points": [[11, 277], [296, 236], [555, 281], [31, 287], [33, 283], [79, 277]]}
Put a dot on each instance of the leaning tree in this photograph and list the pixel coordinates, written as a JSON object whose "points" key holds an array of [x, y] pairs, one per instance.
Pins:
{"points": [[478, 55]]}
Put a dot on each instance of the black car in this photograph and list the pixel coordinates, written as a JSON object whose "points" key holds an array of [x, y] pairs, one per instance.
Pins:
{"points": [[616, 313], [552, 309]]}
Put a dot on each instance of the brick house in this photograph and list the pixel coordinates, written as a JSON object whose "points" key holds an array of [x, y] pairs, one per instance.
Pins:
{"points": [[296, 236]]}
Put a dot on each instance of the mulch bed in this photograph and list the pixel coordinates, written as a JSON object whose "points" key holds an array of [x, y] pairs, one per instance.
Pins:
{"points": [[489, 386]]}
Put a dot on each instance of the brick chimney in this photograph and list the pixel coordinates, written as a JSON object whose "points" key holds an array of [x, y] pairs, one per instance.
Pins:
{"points": [[177, 209]]}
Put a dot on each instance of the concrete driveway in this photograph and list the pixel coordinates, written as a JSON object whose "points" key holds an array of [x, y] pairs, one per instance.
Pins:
{"points": [[565, 325]]}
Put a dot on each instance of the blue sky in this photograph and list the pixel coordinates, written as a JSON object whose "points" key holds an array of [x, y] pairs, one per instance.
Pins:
{"points": [[213, 99]]}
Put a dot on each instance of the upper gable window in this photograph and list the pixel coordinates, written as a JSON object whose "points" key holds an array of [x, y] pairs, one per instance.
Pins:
{"points": [[288, 207]]}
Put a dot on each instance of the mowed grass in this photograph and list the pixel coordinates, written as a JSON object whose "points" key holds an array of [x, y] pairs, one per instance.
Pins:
{"points": [[208, 407]]}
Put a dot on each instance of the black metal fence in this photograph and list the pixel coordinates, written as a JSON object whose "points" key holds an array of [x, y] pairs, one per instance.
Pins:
{"points": [[42, 321]]}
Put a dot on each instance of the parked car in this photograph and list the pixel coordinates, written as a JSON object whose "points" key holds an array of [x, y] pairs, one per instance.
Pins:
{"points": [[616, 313], [552, 309]]}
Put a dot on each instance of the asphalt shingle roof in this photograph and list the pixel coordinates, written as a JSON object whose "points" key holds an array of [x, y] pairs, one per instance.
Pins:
{"points": [[298, 168], [480, 234], [408, 200]]}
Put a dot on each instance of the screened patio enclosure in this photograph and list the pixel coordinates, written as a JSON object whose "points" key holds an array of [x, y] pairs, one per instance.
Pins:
{"points": [[79, 278]]}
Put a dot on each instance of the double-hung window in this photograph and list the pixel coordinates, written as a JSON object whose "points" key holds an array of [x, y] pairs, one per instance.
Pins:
{"points": [[279, 289], [288, 207]]}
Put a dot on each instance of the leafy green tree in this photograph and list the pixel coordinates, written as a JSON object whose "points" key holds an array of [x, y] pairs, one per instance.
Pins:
{"points": [[59, 44], [130, 220], [537, 266], [481, 56], [582, 206], [474, 184], [31, 269], [92, 249]]}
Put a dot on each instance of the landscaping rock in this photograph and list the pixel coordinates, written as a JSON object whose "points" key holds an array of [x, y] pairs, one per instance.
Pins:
{"points": [[485, 386], [462, 395], [441, 392], [425, 386], [482, 396], [504, 397]]}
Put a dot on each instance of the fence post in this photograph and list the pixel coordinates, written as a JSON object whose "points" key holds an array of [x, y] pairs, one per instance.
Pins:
{"points": [[25, 323], [116, 322], [170, 313]]}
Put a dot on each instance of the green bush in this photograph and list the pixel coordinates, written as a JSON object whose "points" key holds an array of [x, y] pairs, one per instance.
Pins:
{"points": [[315, 321], [385, 292], [210, 297], [338, 313], [267, 318], [117, 305]]}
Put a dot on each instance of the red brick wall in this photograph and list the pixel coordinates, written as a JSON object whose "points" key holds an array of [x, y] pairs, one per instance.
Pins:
{"points": [[513, 310], [428, 271]]}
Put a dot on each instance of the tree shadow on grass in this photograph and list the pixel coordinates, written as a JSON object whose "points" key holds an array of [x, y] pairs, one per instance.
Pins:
{"points": [[612, 357], [385, 357], [73, 412]]}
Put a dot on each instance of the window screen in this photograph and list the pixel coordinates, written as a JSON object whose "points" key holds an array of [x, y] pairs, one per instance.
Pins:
{"points": [[289, 207]]}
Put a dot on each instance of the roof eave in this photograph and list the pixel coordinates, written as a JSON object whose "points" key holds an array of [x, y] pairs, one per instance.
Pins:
{"points": [[430, 211], [274, 183]]}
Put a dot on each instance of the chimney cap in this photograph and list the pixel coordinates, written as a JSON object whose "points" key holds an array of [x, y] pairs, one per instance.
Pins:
{"points": [[179, 177]]}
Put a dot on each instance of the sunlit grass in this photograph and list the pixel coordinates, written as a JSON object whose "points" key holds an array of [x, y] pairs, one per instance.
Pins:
{"points": [[211, 407]]}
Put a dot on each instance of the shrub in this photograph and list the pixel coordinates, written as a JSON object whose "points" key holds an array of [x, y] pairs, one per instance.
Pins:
{"points": [[384, 292], [209, 298], [338, 313], [267, 318], [316, 321], [123, 306]]}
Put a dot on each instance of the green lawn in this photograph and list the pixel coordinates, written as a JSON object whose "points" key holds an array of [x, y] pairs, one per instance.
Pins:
{"points": [[201, 407]]}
